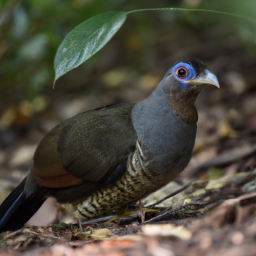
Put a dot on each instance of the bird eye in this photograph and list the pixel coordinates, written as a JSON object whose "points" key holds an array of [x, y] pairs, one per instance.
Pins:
{"points": [[181, 72]]}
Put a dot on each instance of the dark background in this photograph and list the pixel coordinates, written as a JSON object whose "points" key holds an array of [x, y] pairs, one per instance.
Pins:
{"points": [[127, 69]]}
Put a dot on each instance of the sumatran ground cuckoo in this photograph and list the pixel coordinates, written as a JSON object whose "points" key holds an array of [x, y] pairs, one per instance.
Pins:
{"points": [[106, 158]]}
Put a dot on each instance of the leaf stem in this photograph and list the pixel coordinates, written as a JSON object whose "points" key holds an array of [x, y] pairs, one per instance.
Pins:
{"points": [[194, 10]]}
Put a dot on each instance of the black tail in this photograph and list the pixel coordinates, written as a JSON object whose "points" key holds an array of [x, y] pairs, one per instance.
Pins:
{"points": [[16, 210]]}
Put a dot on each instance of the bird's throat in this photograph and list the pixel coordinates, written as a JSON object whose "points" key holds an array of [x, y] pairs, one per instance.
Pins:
{"points": [[184, 107]]}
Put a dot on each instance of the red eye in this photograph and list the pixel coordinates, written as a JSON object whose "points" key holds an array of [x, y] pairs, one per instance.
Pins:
{"points": [[181, 72]]}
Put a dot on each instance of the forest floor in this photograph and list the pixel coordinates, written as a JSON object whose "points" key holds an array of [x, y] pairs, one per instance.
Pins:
{"points": [[213, 215]]}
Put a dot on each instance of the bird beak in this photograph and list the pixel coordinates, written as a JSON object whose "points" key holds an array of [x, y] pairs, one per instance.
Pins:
{"points": [[209, 78]]}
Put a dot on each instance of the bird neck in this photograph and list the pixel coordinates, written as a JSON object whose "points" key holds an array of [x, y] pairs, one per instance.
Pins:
{"points": [[184, 106]]}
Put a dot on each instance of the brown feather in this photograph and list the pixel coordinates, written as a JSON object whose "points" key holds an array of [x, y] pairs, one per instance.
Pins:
{"points": [[60, 181], [85, 148]]}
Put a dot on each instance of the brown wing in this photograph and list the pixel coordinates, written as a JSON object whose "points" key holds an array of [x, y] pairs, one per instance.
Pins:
{"points": [[86, 148]]}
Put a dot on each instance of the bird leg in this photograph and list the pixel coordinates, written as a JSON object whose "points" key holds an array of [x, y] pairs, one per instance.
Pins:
{"points": [[142, 215]]}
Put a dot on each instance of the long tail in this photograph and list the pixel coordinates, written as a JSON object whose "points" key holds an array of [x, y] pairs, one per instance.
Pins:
{"points": [[16, 210]]}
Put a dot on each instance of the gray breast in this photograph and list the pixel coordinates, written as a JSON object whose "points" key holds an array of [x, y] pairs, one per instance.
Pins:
{"points": [[166, 141]]}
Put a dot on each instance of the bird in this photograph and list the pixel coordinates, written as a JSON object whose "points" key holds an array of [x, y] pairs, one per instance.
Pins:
{"points": [[104, 159]]}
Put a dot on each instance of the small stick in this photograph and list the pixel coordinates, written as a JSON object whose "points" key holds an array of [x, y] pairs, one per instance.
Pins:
{"points": [[96, 220], [80, 225], [142, 216], [187, 207], [171, 195]]}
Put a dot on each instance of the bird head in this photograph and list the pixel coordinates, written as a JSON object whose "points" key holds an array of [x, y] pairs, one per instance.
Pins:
{"points": [[183, 82], [188, 77]]}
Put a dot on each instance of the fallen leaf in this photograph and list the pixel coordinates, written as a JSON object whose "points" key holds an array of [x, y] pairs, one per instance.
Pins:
{"points": [[166, 230], [101, 234]]}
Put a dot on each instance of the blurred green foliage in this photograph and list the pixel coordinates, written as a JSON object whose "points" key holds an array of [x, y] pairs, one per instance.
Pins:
{"points": [[32, 30]]}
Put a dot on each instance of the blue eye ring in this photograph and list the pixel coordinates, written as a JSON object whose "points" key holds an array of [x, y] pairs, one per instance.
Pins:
{"points": [[188, 73], [182, 72]]}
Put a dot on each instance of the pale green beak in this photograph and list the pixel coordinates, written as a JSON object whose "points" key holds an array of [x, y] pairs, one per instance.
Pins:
{"points": [[208, 78]]}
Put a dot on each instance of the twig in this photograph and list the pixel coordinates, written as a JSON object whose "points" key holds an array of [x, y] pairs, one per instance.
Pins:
{"points": [[170, 195]]}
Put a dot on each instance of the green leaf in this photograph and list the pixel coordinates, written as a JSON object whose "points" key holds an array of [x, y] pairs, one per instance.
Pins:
{"points": [[85, 40], [91, 35]]}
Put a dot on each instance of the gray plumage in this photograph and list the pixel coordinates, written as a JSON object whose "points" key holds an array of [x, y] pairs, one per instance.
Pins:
{"points": [[163, 136]]}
